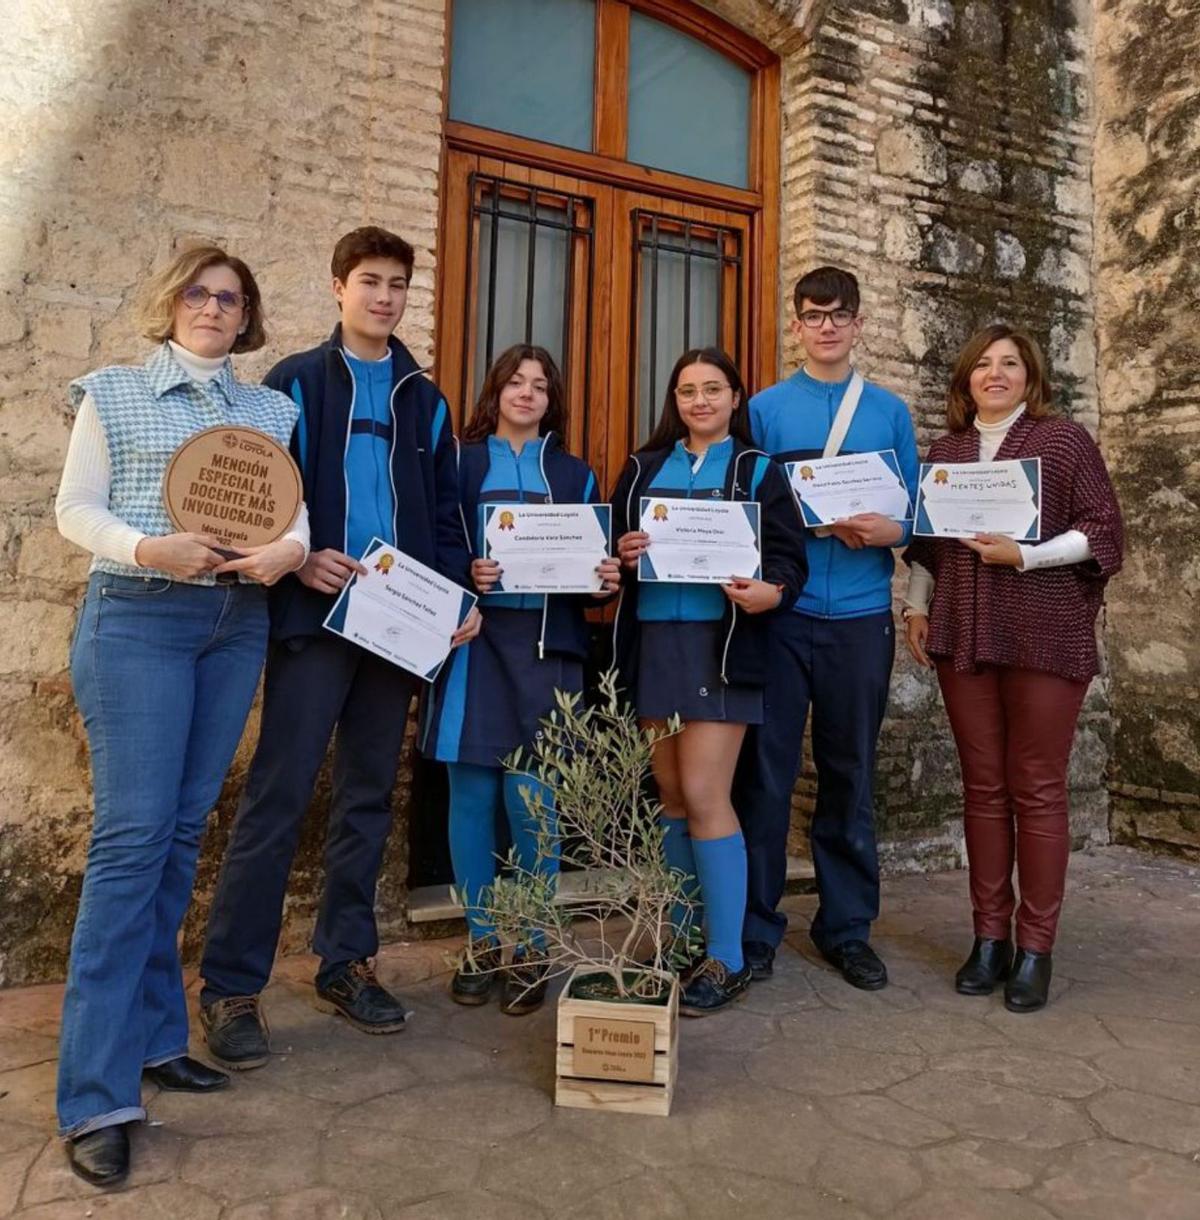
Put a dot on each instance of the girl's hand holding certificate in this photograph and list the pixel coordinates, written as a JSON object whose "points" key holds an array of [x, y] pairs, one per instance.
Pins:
{"points": [[753, 596]]}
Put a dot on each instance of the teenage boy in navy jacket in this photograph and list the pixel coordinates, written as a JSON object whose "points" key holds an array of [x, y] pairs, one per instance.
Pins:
{"points": [[375, 449], [834, 653]]}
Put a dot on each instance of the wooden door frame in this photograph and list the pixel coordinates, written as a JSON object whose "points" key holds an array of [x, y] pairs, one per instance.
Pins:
{"points": [[607, 167]]}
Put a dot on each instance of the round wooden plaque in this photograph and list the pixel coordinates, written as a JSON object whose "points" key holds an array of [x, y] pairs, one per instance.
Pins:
{"points": [[238, 484]]}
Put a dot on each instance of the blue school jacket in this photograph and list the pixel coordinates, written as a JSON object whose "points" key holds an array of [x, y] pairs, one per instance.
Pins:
{"points": [[424, 479], [749, 475], [791, 421]]}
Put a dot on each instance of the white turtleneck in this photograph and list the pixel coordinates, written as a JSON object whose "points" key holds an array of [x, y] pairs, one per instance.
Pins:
{"points": [[1069, 547], [81, 506]]}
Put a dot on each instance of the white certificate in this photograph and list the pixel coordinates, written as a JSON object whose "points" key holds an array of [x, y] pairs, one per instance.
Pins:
{"points": [[400, 610], [832, 489], [546, 548], [961, 499], [699, 541]]}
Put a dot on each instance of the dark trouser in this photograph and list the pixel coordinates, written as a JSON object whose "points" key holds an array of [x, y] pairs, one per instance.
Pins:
{"points": [[1014, 729], [841, 667], [310, 686]]}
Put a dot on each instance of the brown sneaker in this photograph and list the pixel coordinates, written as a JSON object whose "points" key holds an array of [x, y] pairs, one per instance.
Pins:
{"points": [[236, 1032]]}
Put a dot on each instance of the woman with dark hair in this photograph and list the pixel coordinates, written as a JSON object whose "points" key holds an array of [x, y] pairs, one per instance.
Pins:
{"points": [[494, 691], [698, 650], [1010, 629], [165, 662]]}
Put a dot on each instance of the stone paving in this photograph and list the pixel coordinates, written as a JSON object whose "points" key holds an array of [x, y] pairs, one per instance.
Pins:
{"points": [[809, 1100]]}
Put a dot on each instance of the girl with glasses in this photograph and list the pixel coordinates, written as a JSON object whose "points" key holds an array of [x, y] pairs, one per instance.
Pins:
{"points": [[698, 650], [165, 661]]}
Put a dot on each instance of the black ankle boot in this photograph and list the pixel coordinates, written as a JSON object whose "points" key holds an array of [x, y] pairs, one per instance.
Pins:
{"points": [[1028, 982], [987, 965]]}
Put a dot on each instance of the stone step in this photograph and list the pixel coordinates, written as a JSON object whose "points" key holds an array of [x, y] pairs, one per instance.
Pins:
{"points": [[428, 903]]}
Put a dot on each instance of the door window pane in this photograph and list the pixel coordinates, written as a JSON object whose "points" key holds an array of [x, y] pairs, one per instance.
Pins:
{"points": [[689, 106], [525, 66], [684, 273], [526, 259]]}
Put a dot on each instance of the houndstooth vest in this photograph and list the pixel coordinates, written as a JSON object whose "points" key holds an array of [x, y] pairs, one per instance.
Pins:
{"points": [[147, 412]]}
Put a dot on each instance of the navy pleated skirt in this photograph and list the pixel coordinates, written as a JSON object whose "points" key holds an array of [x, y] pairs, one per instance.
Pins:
{"points": [[679, 672], [492, 693]]}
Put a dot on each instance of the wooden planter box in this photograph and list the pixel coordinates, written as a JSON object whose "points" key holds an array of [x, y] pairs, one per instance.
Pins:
{"points": [[614, 1056]]}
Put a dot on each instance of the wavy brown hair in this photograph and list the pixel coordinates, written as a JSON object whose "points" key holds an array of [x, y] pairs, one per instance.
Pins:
{"points": [[671, 428], [960, 407], [155, 314], [486, 415]]}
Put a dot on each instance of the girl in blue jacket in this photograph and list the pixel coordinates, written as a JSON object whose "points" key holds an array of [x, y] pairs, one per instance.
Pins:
{"points": [[493, 693], [698, 650]]}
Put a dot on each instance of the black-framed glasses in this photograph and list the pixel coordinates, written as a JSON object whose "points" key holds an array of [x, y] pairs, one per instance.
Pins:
{"points": [[814, 319], [196, 296], [710, 391]]}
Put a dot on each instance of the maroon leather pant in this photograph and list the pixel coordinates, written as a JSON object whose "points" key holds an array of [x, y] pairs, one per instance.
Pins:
{"points": [[1013, 729]]}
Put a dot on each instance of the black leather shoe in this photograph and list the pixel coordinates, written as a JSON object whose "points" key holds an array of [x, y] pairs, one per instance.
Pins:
{"points": [[524, 985], [476, 974], [1028, 983], [760, 957], [101, 1157], [987, 965], [237, 1032], [356, 994], [184, 1075], [713, 987], [859, 964]]}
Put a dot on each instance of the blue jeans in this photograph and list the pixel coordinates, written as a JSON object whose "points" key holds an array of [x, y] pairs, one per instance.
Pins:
{"points": [[164, 675]]}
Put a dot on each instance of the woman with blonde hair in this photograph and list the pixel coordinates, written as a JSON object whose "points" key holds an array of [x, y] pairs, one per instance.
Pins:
{"points": [[165, 660], [1010, 629]]}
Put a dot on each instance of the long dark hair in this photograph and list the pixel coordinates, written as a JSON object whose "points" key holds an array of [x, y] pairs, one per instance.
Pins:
{"points": [[486, 415], [671, 428]]}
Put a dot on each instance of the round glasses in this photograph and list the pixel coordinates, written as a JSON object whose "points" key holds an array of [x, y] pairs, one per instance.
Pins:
{"points": [[196, 296], [710, 391], [814, 319]]}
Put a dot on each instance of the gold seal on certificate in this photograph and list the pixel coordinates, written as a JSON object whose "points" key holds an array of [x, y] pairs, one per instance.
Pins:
{"points": [[237, 484]]}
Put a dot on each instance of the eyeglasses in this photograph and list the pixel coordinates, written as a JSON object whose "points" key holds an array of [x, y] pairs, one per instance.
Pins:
{"points": [[710, 391], [196, 296], [814, 319]]}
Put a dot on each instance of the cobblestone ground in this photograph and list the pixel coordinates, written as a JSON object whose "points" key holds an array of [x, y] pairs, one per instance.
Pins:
{"points": [[809, 1100]]}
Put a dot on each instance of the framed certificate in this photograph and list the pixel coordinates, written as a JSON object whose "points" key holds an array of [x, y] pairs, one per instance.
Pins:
{"points": [[699, 541], [546, 548], [832, 489], [962, 499], [400, 610]]}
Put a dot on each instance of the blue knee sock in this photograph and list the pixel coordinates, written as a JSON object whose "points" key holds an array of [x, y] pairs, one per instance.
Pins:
{"points": [[677, 847], [474, 794], [721, 867], [524, 828]]}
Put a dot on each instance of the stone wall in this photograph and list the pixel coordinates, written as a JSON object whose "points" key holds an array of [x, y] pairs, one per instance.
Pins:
{"points": [[1147, 182], [940, 149], [125, 130]]}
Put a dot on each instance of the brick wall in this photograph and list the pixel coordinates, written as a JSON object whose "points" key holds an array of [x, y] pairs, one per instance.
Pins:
{"points": [[127, 129], [941, 151]]}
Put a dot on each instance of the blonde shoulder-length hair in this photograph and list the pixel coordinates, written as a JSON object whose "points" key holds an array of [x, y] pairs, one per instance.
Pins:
{"points": [[960, 407], [155, 315]]}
